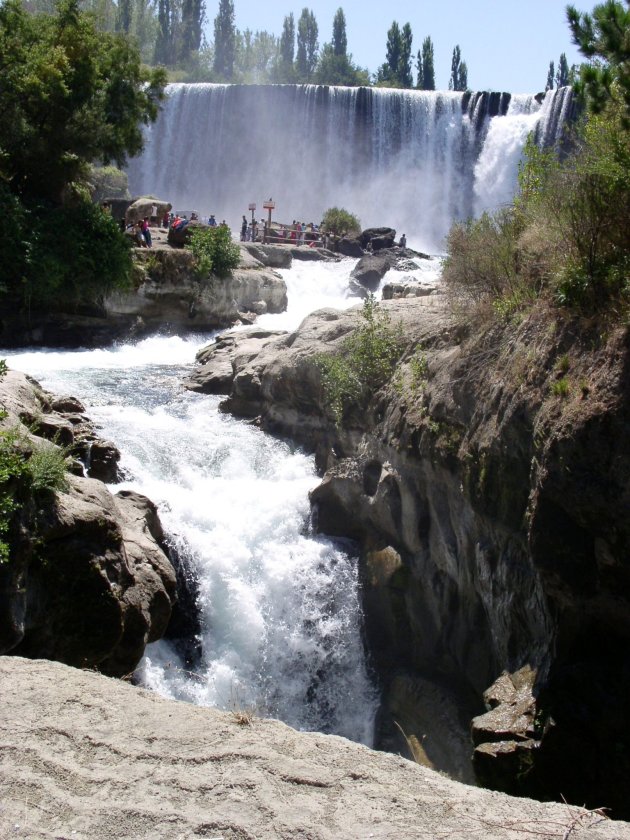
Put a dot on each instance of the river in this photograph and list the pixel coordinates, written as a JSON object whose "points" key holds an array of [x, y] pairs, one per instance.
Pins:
{"points": [[279, 607]]}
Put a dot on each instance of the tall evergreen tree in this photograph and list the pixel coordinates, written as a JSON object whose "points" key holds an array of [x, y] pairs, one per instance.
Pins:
{"points": [[339, 37], [193, 14], [403, 72], [459, 71], [224, 40], [551, 75], [426, 67], [562, 74], [307, 45]]}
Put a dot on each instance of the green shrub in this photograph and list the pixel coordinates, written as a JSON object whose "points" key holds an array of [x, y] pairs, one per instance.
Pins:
{"points": [[482, 261], [561, 387], [213, 250], [340, 222], [47, 468], [366, 361], [108, 182], [62, 257]]}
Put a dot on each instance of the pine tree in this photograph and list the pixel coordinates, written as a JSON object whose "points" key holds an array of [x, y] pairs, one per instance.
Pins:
{"points": [[551, 75], [426, 68], [224, 40], [339, 37], [562, 74], [604, 35], [307, 45]]}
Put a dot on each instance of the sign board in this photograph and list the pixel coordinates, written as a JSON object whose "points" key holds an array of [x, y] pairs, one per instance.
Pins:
{"points": [[252, 207], [269, 205]]}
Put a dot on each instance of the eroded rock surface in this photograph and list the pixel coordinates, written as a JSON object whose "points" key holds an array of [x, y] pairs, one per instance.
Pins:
{"points": [[89, 757], [492, 515], [87, 582]]}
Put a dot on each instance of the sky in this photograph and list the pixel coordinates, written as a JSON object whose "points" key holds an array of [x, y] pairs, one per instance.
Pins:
{"points": [[507, 45]]}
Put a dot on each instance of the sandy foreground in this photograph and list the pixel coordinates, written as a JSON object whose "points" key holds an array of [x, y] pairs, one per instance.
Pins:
{"points": [[85, 757]]}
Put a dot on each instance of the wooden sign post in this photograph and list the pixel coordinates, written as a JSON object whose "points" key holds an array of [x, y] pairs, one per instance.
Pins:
{"points": [[268, 205]]}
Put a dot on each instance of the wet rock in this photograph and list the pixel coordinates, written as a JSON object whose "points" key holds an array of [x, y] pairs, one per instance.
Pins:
{"points": [[369, 271], [378, 238], [103, 461]]}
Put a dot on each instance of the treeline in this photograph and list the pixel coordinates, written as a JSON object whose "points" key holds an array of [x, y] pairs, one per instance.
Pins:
{"points": [[171, 33]]}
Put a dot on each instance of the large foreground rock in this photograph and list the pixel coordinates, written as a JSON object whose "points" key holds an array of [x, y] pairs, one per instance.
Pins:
{"points": [[93, 758], [87, 581]]}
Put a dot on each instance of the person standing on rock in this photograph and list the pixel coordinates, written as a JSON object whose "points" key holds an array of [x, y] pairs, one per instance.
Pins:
{"points": [[144, 226], [244, 230]]}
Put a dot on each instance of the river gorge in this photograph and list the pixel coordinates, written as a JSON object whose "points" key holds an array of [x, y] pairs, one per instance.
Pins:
{"points": [[457, 550]]}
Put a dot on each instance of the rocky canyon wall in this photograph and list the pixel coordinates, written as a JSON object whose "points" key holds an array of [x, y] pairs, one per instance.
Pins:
{"points": [[491, 508]]}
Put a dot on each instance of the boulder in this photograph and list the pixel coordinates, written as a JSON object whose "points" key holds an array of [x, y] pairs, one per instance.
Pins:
{"points": [[87, 582], [379, 238], [103, 461], [369, 271], [271, 256], [140, 208], [350, 246]]}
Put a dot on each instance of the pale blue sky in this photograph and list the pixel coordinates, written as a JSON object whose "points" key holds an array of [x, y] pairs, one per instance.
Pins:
{"points": [[507, 45]]}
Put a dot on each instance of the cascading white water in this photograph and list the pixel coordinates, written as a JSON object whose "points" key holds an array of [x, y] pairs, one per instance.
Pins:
{"points": [[496, 170], [415, 160], [280, 616]]}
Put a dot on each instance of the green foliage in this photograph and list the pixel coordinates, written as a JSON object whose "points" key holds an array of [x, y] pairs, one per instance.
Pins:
{"points": [[25, 469], [396, 71], [604, 38], [481, 263], [340, 222], [214, 250], [108, 182], [459, 71], [47, 468], [561, 387], [366, 361], [62, 257], [567, 235], [307, 45], [334, 69], [69, 95], [339, 36], [426, 66], [224, 40]]}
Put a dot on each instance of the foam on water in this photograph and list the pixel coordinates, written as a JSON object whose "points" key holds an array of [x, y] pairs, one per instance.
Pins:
{"points": [[279, 607]]}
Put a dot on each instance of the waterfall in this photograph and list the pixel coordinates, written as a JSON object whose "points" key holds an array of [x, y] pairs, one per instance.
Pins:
{"points": [[279, 611], [415, 160]]}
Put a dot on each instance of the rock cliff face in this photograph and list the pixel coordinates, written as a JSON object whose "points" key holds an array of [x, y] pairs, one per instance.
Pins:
{"points": [[171, 295], [86, 756], [488, 486], [87, 582], [168, 296]]}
